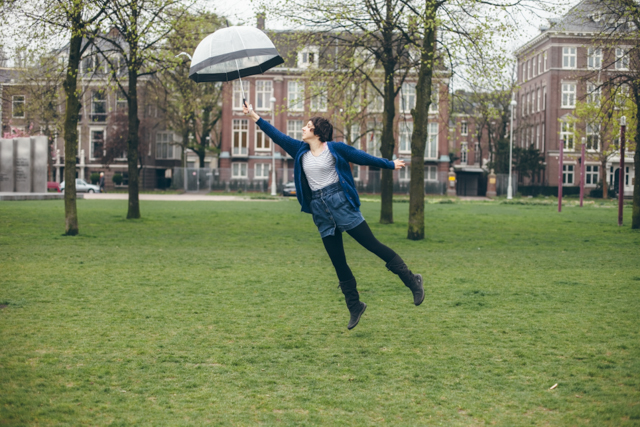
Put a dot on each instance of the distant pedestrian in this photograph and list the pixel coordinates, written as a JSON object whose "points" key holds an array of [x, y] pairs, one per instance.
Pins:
{"points": [[101, 182], [325, 189]]}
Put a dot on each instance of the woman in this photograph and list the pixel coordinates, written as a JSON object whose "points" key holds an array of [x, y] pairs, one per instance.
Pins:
{"points": [[325, 189]]}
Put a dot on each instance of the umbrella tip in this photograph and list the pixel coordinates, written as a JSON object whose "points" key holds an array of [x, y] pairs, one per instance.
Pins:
{"points": [[185, 53]]}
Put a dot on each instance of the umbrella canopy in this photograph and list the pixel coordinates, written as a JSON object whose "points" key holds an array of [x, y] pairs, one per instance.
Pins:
{"points": [[232, 53]]}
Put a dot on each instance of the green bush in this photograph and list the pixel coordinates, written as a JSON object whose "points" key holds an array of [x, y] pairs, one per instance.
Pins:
{"points": [[94, 177], [117, 179]]}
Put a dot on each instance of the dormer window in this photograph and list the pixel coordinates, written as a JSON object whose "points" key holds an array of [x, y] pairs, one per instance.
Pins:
{"points": [[596, 17], [308, 57]]}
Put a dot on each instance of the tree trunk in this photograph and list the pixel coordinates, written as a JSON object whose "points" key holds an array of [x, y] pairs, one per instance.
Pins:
{"points": [[635, 215], [71, 133], [133, 142], [420, 127], [387, 145], [605, 189]]}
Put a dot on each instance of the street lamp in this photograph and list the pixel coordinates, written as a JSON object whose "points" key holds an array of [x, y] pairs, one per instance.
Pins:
{"points": [[510, 186], [273, 152]]}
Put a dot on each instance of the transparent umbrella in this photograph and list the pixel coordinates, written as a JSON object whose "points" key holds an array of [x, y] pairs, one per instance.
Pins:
{"points": [[232, 53]]}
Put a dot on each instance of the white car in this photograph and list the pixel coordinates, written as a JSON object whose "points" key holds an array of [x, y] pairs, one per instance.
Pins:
{"points": [[83, 186]]}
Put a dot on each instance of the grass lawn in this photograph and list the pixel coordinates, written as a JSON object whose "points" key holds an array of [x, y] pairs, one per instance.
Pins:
{"points": [[227, 313]]}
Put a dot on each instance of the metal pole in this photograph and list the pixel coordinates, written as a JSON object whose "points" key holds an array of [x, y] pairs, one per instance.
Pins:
{"points": [[273, 148], [623, 128], [510, 186], [582, 171], [560, 173]]}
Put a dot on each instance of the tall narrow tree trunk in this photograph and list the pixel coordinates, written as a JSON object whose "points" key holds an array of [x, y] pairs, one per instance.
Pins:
{"points": [[386, 146], [132, 143], [605, 188], [71, 133], [420, 126], [635, 214]]}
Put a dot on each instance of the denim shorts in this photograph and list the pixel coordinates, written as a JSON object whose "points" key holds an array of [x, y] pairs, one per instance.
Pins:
{"points": [[331, 210]]}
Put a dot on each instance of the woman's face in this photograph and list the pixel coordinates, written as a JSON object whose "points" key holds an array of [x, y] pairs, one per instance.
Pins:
{"points": [[307, 132]]}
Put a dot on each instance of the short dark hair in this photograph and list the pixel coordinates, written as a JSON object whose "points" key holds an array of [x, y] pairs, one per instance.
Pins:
{"points": [[322, 128]]}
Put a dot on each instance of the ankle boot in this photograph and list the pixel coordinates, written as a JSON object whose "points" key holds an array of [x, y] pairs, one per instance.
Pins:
{"points": [[356, 308], [410, 280]]}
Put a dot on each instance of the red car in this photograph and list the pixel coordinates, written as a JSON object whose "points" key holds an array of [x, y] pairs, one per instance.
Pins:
{"points": [[53, 186]]}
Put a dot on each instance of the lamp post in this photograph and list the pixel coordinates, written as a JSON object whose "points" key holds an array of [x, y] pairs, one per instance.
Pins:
{"points": [[273, 152], [623, 128], [510, 186]]}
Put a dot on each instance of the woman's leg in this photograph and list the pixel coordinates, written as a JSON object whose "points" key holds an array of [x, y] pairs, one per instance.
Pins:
{"points": [[363, 235], [335, 249]]}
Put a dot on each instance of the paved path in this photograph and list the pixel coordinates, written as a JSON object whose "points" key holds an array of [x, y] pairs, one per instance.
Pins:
{"points": [[188, 197]]}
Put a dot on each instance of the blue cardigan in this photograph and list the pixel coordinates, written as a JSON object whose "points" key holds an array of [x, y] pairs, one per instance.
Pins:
{"points": [[343, 153]]}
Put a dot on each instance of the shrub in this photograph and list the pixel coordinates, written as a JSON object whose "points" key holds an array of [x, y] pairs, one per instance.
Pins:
{"points": [[94, 177], [117, 179]]}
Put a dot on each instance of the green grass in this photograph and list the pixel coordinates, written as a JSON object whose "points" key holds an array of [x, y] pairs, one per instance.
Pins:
{"points": [[227, 313]]}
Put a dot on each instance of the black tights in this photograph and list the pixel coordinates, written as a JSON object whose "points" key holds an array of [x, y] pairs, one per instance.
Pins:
{"points": [[363, 235]]}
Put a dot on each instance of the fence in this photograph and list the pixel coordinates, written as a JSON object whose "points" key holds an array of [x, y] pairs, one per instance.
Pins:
{"points": [[223, 179]]}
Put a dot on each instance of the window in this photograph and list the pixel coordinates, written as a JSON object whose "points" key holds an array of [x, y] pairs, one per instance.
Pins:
{"points": [[621, 96], [406, 130], [374, 138], [529, 69], [404, 174], [464, 129], [263, 143], [164, 146], [544, 98], [568, 57], [352, 96], [463, 153], [17, 106], [592, 174], [593, 137], [239, 171], [529, 103], [539, 97], [238, 94], [261, 170], [295, 95], [319, 97], [354, 137], [476, 153], [98, 106], [542, 138], [294, 129], [264, 92], [594, 59], [431, 151], [375, 101], [308, 57], [537, 137], [523, 102], [121, 102], [408, 97], [568, 95], [355, 171], [593, 93], [435, 98], [566, 134], [96, 141], [240, 137], [544, 60], [540, 70], [622, 59], [567, 174], [431, 173]]}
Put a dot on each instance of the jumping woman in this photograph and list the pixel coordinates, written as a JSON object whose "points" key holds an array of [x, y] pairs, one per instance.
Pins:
{"points": [[325, 189]]}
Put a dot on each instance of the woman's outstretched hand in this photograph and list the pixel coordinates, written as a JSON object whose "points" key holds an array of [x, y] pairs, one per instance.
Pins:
{"points": [[399, 163], [248, 111]]}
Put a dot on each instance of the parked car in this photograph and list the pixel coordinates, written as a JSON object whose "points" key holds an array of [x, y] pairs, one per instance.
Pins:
{"points": [[83, 186], [289, 189], [53, 186]]}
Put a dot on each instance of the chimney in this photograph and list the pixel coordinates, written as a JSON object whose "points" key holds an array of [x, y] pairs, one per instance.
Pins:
{"points": [[261, 18]]}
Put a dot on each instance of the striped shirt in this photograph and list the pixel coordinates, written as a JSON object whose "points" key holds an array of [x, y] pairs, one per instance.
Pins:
{"points": [[321, 170]]}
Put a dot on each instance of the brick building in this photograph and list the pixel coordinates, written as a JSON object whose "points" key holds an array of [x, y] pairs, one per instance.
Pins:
{"points": [[557, 68], [246, 152]]}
